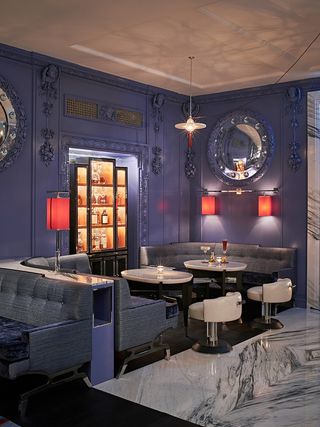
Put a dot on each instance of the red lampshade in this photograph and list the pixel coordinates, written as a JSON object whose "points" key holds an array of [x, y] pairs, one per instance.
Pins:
{"points": [[58, 216], [208, 205], [265, 205]]}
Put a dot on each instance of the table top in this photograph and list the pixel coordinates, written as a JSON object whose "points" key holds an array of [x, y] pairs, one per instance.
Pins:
{"points": [[90, 279], [151, 275], [198, 264]]}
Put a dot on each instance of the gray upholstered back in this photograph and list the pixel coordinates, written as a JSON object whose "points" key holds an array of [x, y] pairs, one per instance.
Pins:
{"points": [[74, 262], [37, 300], [258, 259]]}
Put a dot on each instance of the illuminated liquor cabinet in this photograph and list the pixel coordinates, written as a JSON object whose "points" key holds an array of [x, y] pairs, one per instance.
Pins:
{"points": [[99, 214]]}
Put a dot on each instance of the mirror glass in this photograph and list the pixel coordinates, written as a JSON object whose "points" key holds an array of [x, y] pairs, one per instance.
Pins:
{"points": [[240, 148], [8, 130]]}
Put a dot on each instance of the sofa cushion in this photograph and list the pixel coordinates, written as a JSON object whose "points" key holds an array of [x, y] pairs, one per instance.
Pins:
{"points": [[13, 346]]}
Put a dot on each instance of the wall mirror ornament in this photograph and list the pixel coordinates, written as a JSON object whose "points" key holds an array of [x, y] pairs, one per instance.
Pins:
{"points": [[12, 124], [240, 148]]}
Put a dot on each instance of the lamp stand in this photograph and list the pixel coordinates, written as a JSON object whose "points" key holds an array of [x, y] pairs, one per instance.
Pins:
{"points": [[57, 258]]}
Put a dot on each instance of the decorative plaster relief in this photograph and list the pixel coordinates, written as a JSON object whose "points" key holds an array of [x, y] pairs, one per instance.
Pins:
{"points": [[157, 114], [294, 97], [49, 78]]}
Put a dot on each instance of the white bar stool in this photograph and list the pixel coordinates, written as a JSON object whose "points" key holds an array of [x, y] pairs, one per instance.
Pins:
{"points": [[212, 311], [270, 293]]}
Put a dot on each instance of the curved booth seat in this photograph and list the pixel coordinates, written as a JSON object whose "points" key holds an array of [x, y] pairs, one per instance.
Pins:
{"points": [[74, 263], [264, 264]]}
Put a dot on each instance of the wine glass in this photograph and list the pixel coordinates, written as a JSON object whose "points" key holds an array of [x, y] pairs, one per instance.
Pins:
{"points": [[224, 249], [205, 249]]}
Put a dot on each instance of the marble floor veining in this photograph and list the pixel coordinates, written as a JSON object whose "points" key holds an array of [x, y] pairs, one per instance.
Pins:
{"points": [[272, 379]]}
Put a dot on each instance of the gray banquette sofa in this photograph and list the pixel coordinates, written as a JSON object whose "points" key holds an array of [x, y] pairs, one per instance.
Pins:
{"points": [[264, 264], [68, 263], [45, 327]]}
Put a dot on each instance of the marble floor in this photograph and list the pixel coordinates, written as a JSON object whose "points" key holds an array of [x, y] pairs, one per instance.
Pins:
{"points": [[272, 379]]}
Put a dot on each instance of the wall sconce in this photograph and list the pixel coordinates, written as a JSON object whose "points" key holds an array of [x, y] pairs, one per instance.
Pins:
{"points": [[264, 205], [208, 205], [58, 218]]}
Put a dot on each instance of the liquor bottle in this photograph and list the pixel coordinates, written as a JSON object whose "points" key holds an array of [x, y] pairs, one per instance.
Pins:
{"points": [[95, 177], [104, 217], [102, 200], [103, 241], [94, 217], [79, 200]]}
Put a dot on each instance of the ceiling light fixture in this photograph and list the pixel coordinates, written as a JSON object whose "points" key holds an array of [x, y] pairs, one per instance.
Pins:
{"points": [[190, 125]]}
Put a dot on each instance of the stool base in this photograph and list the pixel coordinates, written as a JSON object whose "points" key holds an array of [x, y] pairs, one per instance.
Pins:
{"points": [[204, 346], [261, 323]]}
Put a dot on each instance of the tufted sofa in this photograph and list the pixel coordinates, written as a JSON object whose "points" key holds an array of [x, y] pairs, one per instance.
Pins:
{"points": [[68, 263], [264, 264], [45, 326]]}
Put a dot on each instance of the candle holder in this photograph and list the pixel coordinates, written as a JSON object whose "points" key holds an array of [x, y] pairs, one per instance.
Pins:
{"points": [[224, 250]]}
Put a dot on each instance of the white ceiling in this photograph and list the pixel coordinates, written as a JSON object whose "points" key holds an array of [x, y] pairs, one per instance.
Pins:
{"points": [[236, 43]]}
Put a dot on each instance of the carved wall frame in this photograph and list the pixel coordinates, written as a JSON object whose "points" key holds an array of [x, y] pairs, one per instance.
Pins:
{"points": [[140, 151], [20, 131]]}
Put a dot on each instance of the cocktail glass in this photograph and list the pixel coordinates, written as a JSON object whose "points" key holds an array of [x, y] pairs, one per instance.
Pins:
{"points": [[205, 250], [224, 249]]}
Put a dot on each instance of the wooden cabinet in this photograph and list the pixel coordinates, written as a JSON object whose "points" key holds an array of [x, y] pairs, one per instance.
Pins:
{"points": [[99, 223]]}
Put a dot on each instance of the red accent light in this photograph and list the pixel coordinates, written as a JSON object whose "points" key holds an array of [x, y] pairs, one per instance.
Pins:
{"points": [[208, 205], [265, 206], [58, 213]]}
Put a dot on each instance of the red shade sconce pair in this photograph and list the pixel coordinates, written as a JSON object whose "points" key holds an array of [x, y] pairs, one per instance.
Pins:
{"points": [[208, 205], [58, 217]]}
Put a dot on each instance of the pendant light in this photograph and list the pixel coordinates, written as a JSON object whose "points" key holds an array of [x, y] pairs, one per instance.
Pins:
{"points": [[190, 125]]}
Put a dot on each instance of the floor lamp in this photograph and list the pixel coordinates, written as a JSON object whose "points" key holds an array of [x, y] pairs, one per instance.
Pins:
{"points": [[58, 218]]}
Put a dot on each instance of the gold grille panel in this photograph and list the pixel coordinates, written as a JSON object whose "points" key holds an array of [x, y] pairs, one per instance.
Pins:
{"points": [[79, 108], [133, 118]]}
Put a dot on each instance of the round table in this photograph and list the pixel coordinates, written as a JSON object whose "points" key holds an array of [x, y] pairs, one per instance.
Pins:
{"points": [[167, 277], [226, 269]]}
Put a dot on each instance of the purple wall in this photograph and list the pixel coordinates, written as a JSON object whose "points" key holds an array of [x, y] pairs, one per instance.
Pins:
{"points": [[171, 201], [25, 183], [237, 218]]}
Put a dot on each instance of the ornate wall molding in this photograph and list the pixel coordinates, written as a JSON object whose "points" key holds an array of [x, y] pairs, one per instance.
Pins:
{"points": [[48, 89], [190, 167], [141, 152], [12, 143], [88, 109], [157, 115], [294, 107]]}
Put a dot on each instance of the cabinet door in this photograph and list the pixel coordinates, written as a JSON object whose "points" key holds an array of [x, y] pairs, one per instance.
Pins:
{"points": [[121, 264], [79, 209], [102, 212], [121, 208]]}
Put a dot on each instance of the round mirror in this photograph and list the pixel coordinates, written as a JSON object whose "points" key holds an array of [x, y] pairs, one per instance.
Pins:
{"points": [[12, 124], [240, 148]]}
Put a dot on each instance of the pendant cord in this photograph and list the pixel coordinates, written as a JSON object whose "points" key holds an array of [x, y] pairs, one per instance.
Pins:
{"points": [[190, 102]]}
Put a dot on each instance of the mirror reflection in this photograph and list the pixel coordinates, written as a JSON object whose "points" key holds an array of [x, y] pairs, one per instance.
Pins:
{"points": [[240, 148]]}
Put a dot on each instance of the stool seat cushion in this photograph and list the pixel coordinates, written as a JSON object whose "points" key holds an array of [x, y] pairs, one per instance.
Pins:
{"points": [[255, 293], [196, 311]]}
